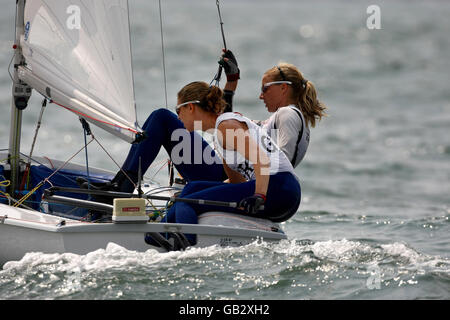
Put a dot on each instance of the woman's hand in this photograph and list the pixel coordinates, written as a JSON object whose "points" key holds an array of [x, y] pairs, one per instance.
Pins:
{"points": [[252, 204], [229, 63]]}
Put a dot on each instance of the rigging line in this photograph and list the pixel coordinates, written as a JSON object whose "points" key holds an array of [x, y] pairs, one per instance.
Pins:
{"points": [[118, 165], [9, 66], [86, 132], [46, 166], [163, 52], [218, 75], [38, 126], [163, 59], [163, 166], [26, 175], [221, 25], [131, 62], [40, 184], [11, 199]]}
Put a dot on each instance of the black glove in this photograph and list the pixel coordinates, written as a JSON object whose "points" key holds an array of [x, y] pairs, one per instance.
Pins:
{"points": [[252, 204], [230, 65]]}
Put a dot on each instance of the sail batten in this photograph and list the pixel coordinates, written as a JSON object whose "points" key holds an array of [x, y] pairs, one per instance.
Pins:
{"points": [[80, 49]]}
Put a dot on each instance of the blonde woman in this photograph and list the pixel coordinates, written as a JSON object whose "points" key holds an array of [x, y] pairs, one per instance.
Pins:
{"points": [[293, 101]]}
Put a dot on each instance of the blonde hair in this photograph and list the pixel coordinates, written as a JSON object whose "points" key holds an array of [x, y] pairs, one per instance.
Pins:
{"points": [[210, 97], [303, 91]]}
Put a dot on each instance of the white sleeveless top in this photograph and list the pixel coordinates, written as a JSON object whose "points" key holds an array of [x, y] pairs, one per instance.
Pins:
{"points": [[288, 127], [237, 162]]}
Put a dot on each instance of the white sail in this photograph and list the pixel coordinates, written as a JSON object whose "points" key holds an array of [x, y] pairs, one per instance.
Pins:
{"points": [[78, 54]]}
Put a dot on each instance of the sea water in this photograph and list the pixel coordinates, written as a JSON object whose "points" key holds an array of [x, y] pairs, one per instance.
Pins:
{"points": [[374, 219]]}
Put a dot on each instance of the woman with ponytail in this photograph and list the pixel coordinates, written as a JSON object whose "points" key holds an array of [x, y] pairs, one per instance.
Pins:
{"points": [[290, 97], [163, 128], [293, 100], [185, 147]]}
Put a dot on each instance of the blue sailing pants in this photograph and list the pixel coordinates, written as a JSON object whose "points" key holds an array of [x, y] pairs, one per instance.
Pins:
{"points": [[283, 199], [161, 127]]}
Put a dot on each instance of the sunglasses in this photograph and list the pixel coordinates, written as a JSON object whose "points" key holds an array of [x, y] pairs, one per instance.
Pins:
{"points": [[178, 107], [265, 87]]}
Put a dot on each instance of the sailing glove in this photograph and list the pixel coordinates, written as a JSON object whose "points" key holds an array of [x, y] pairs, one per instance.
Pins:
{"points": [[230, 65], [252, 204]]}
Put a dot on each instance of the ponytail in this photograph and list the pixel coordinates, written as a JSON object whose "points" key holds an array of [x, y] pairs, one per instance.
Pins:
{"points": [[210, 97], [303, 92], [214, 101], [310, 106]]}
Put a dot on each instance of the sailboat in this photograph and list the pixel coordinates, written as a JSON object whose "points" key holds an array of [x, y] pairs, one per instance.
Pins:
{"points": [[77, 55]]}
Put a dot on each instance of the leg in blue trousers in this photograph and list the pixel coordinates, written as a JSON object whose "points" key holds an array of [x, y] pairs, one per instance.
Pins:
{"points": [[186, 151], [283, 199]]}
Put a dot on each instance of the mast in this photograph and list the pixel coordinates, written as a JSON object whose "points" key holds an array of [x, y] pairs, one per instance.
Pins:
{"points": [[21, 93]]}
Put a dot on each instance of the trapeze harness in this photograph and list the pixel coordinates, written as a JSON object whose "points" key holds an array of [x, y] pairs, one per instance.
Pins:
{"points": [[303, 134]]}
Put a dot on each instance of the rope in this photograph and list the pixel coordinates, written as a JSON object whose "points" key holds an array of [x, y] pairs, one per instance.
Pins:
{"points": [[219, 71], [26, 176], [5, 184], [86, 132], [40, 184], [115, 162], [164, 64], [221, 25], [38, 126], [163, 52]]}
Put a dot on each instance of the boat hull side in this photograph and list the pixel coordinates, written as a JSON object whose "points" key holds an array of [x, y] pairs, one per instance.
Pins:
{"points": [[17, 241]]}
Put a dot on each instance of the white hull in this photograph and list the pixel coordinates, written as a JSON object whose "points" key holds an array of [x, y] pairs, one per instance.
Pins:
{"points": [[23, 231]]}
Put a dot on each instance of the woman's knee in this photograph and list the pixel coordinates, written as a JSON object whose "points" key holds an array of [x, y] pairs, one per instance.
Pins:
{"points": [[159, 117]]}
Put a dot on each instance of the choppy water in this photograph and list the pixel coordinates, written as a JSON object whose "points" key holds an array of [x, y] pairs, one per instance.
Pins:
{"points": [[374, 220]]}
